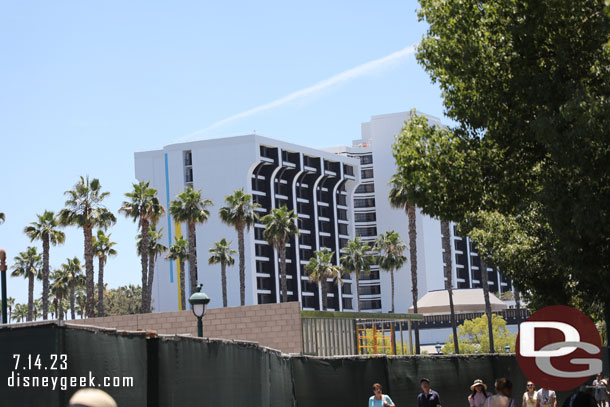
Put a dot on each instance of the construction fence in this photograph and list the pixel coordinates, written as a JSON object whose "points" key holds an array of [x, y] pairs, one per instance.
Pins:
{"points": [[184, 371]]}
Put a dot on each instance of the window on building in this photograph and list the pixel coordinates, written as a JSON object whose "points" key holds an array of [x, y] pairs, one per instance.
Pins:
{"points": [[310, 302], [342, 214], [366, 159], [188, 175], [188, 158], [367, 231], [365, 216], [365, 188], [370, 304], [265, 299], [366, 174], [347, 303], [370, 289], [364, 203], [348, 169], [343, 229]]}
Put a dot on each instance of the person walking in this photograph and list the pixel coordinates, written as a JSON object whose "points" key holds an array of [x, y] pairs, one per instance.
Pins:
{"points": [[427, 397], [546, 398], [91, 398], [530, 397], [601, 391], [378, 399], [502, 398], [478, 397]]}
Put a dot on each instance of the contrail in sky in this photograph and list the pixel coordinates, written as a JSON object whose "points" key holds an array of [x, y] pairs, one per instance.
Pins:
{"points": [[345, 76]]}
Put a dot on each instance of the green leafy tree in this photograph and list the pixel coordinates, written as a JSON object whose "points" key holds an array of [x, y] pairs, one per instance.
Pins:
{"points": [[280, 226], [390, 255], [357, 259], [473, 336], [239, 212], [28, 265], [143, 207], [84, 208], [320, 269], [179, 252], [189, 207], [45, 230], [222, 254], [400, 200], [102, 248], [527, 86], [124, 300]]}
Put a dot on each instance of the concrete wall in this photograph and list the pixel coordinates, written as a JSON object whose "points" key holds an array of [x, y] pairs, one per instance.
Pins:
{"points": [[277, 326]]}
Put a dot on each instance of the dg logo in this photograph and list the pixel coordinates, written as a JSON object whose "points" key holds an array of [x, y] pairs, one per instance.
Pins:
{"points": [[559, 348]]}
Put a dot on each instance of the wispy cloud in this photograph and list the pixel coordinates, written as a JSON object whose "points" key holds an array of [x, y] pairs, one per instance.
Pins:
{"points": [[367, 68]]}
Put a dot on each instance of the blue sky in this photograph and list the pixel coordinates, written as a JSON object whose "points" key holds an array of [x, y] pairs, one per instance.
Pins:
{"points": [[83, 85]]}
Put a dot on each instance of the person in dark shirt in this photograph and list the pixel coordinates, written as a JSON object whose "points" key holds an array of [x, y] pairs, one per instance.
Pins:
{"points": [[428, 397]]}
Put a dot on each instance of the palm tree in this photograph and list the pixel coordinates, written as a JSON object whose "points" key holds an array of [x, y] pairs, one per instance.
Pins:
{"points": [[222, 254], [398, 199], [27, 265], [179, 252], [357, 259], [20, 312], [320, 269], [71, 271], [60, 288], [84, 209], [37, 308], [189, 207], [280, 225], [155, 248], [81, 301], [144, 207], [485, 284], [102, 248], [448, 267], [239, 212], [46, 230], [390, 251]]}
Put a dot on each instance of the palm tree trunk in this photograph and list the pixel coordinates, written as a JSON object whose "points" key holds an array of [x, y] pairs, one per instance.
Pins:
{"points": [[45, 277], [357, 271], [72, 313], [151, 277], [242, 266], [223, 274], [324, 286], [283, 282], [30, 296], [392, 284], [144, 260], [182, 293], [192, 257], [90, 285], [448, 262], [484, 282], [60, 313], [413, 258], [100, 287]]}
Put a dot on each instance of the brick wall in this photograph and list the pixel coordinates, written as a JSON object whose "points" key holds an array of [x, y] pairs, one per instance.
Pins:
{"points": [[277, 326]]}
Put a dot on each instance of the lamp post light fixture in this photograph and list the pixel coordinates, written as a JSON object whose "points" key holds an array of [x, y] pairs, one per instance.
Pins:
{"points": [[198, 301], [438, 348], [507, 349]]}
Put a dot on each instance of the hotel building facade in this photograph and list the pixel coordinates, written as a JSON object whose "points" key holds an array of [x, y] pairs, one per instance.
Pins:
{"points": [[338, 193]]}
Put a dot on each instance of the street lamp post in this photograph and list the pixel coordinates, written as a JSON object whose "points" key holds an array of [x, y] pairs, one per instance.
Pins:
{"points": [[507, 349], [438, 348], [3, 282], [198, 301]]}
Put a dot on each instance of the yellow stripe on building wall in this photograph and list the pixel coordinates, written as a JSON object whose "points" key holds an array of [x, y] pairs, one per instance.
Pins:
{"points": [[178, 230]]}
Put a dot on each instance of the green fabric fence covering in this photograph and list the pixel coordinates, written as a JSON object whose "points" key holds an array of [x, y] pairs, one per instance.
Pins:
{"points": [[182, 371]]}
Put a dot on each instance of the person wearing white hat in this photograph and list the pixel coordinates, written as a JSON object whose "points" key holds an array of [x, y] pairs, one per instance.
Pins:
{"points": [[479, 394], [91, 398]]}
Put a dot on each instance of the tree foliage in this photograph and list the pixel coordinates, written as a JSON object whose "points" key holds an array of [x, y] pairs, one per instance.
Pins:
{"points": [[526, 169], [473, 335]]}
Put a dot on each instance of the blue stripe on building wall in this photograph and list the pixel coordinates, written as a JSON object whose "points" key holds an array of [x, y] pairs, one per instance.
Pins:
{"points": [[169, 219]]}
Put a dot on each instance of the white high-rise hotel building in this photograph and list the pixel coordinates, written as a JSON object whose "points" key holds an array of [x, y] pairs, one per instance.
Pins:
{"points": [[338, 193]]}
